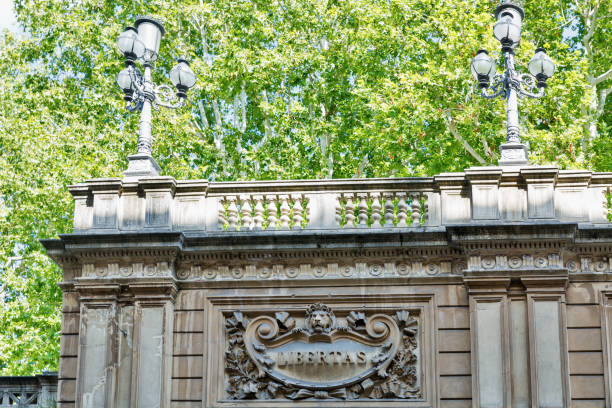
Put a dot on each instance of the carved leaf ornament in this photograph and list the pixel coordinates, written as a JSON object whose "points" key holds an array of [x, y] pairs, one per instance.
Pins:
{"points": [[325, 358]]}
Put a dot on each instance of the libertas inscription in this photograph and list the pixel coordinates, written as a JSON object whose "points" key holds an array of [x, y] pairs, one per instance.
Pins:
{"points": [[320, 356]]}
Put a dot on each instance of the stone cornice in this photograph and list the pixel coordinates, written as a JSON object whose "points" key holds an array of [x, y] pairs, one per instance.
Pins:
{"points": [[496, 249], [477, 236]]}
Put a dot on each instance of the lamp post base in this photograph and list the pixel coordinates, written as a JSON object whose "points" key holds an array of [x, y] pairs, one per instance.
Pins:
{"points": [[513, 154], [140, 165]]}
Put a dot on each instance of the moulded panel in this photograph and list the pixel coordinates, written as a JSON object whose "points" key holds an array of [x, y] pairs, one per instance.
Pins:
{"points": [[124, 371], [189, 214], [93, 357], [520, 354], [455, 207], [157, 213], [489, 354], [540, 198], [151, 357], [105, 210], [548, 354], [565, 203], [485, 200]]}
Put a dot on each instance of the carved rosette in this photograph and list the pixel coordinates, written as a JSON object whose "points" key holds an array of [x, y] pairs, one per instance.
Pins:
{"points": [[321, 356]]}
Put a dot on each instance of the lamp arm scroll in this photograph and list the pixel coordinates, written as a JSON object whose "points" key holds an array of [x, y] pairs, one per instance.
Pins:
{"points": [[138, 98], [165, 96], [527, 83], [497, 88], [137, 80]]}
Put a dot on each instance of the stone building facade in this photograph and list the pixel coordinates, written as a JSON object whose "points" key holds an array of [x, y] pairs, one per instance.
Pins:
{"points": [[487, 288]]}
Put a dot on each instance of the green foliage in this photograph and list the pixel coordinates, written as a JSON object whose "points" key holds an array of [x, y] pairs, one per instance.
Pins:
{"points": [[286, 89]]}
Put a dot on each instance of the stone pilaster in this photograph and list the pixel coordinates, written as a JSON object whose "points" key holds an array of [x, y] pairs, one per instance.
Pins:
{"points": [[549, 371], [484, 182], [105, 203], [151, 383], [159, 193], [490, 348], [540, 191], [454, 197]]}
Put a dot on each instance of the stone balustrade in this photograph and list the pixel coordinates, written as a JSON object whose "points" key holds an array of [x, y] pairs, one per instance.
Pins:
{"points": [[478, 194]]}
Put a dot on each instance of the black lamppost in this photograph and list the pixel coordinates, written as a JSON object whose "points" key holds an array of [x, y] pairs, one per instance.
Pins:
{"points": [[511, 84], [141, 42]]}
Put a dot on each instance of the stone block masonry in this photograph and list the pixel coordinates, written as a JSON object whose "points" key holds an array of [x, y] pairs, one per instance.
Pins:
{"points": [[487, 288]]}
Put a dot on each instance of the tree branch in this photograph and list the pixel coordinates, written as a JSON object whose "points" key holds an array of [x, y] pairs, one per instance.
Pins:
{"points": [[603, 77], [486, 147], [601, 103], [453, 129], [202, 114], [590, 21], [218, 126], [235, 111], [267, 127], [243, 99]]}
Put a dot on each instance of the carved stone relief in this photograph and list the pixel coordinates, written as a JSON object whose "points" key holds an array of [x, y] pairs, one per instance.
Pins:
{"points": [[321, 356], [589, 264], [408, 268], [135, 270], [574, 263], [515, 261]]}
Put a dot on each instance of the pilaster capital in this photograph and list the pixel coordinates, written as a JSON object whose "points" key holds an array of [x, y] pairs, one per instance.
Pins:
{"points": [[484, 175], [553, 284], [486, 284], [535, 174], [450, 181], [154, 290], [158, 184]]}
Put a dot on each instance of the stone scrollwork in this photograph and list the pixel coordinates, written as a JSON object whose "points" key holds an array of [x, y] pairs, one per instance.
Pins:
{"points": [[320, 356]]}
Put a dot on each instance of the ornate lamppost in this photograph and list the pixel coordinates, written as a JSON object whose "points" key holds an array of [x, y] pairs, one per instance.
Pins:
{"points": [[141, 42], [511, 83]]}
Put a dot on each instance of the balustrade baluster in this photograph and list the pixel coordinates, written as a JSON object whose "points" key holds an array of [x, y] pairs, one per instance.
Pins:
{"points": [[285, 211], [222, 217], [389, 209], [258, 219], [306, 212], [415, 207], [232, 213], [363, 210], [338, 210], [376, 207], [246, 211], [298, 211], [402, 210], [272, 212], [349, 210]]}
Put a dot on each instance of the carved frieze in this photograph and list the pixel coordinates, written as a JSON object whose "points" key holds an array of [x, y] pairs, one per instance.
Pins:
{"points": [[596, 259], [518, 261], [321, 356], [408, 268], [418, 268], [135, 270], [589, 264]]}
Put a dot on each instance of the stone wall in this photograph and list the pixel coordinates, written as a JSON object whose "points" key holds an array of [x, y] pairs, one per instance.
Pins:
{"points": [[489, 288]]}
